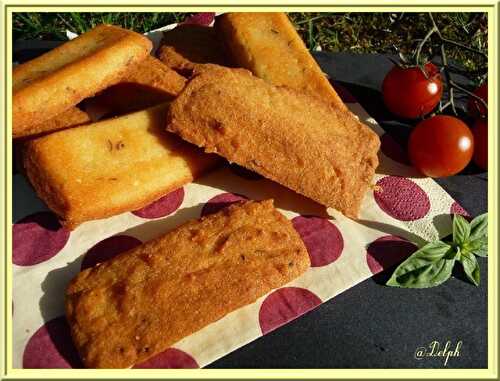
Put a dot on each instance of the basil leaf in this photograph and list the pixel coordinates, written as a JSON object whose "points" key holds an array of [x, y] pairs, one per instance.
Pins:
{"points": [[479, 247], [471, 267], [427, 267], [461, 229], [474, 245], [479, 227]]}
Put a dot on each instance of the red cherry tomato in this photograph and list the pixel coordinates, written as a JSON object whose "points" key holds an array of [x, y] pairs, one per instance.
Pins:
{"points": [[409, 94], [480, 132], [441, 146], [475, 107]]}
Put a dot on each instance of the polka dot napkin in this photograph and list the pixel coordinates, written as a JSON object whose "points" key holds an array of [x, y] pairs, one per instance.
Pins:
{"points": [[402, 210]]}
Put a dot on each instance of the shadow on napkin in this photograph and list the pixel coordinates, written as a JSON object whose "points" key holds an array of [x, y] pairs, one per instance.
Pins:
{"points": [[52, 310], [229, 179], [54, 288], [155, 228]]}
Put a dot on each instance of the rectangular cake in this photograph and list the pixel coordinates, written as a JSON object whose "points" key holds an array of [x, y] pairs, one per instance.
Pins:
{"points": [[52, 83], [297, 140], [71, 117], [126, 310], [110, 167], [189, 45], [146, 84], [268, 45]]}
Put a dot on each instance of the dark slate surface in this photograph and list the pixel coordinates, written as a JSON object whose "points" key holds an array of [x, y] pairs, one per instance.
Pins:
{"points": [[370, 325]]}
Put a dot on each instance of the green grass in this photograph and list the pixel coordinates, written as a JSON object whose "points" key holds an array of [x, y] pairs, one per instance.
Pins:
{"points": [[52, 26], [346, 32], [390, 32]]}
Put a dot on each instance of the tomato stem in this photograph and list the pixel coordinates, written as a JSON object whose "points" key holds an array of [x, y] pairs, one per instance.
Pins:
{"points": [[470, 93], [447, 77], [446, 69], [419, 49]]}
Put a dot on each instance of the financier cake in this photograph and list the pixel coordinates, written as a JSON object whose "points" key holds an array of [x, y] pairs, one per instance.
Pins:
{"points": [[189, 45], [52, 83], [143, 301], [110, 167], [71, 117], [146, 84], [268, 45], [297, 140]]}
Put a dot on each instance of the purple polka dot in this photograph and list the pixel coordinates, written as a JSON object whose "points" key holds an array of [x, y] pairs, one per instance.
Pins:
{"points": [[343, 93], [393, 150], [202, 18], [108, 248], [221, 201], [284, 305], [401, 198], [244, 173], [162, 207], [51, 347], [456, 208], [322, 239], [37, 238], [170, 359], [387, 251]]}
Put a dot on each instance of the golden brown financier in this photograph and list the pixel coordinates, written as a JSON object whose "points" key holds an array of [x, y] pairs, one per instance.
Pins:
{"points": [[110, 167], [188, 45], [146, 84], [297, 140], [52, 83], [141, 302], [268, 45], [72, 117]]}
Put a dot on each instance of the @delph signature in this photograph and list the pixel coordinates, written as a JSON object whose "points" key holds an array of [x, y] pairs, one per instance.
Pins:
{"points": [[435, 349]]}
